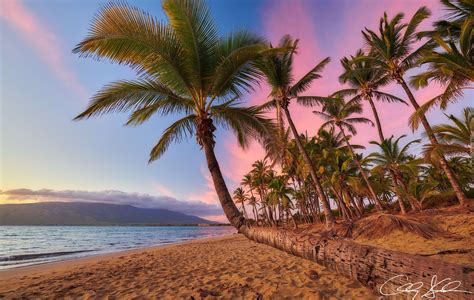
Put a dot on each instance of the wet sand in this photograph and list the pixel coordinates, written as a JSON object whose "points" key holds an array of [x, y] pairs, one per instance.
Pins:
{"points": [[230, 267]]}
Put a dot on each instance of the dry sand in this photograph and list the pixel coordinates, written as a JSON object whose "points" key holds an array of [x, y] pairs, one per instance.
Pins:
{"points": [[230, 267]]}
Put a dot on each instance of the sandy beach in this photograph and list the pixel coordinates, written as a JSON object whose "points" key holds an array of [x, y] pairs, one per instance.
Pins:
{"points": [[229, 267]]}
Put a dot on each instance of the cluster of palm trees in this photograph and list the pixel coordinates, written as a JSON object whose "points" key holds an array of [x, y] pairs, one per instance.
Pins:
{"points": [[328, 161], [186, 69]]}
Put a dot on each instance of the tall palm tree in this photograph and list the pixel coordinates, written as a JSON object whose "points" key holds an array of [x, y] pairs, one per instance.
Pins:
{"points": [[240, 197], [184, 68], [343, 171], [394, 160], [278, 72], [260, 176], [392, 53], [248, 182], [281, 193], [339, 113], [364, 84]]}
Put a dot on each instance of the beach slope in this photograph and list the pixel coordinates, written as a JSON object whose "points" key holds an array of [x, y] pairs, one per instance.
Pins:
{"points": [[225, 267]]}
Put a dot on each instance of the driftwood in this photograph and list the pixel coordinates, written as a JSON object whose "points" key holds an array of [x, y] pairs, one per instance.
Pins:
{"points": [[382, 270]]}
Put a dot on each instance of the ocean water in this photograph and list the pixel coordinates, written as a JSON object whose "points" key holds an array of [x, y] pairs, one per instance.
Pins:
{"points": [[30, 245]]}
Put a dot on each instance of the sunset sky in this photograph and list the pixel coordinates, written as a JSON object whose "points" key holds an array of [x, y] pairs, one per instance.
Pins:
{"points": [[44, 155]]}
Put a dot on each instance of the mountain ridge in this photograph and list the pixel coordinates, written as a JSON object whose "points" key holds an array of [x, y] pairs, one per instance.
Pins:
{"points": [[92, 213]]}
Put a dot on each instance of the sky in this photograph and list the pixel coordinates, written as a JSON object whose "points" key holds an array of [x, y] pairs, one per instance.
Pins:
{"points": [[45, 156]]}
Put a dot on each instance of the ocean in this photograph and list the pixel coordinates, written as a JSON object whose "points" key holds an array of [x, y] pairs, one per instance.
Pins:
{"points": [[30, 245]]}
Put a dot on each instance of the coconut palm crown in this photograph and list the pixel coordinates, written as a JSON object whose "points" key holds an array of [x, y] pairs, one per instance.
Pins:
{"points": [[184, 68], [365, 84]]}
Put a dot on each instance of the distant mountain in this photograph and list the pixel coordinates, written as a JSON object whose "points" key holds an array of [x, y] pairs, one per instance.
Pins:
{"points": [[86, 213]]}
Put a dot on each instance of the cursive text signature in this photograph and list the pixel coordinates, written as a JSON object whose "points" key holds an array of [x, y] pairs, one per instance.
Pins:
{"points": [[444, 286]]}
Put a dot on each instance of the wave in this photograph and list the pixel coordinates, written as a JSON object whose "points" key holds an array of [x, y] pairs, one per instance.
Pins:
{"points": [[40, 255]]}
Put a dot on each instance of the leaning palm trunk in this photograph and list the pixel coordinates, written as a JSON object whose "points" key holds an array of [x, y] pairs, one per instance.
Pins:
{"points": [[319, 189], [368, 265], [230, 209], [371, 266], [429, 132], [372, 193]]}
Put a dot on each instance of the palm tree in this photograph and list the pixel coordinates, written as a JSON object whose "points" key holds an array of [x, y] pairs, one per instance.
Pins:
{"points": [[392, 53], [394, 160], [457, 11], [280, 193], [240, 197], [248, 182], [456, 138], [421, 190], [364, 84], [339, 113], [342, 171], [453, 67], [185, 68], [278, 72], [260, 176]]}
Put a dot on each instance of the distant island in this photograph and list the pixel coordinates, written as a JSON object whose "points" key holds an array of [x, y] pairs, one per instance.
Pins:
{"points": [[102, 214]]}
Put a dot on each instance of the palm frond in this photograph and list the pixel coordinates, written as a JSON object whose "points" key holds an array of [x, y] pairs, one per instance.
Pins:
{"points": [[121, 96], [236, 69], [311, 101], [178, 131], [305, 81], [246, 122], [193, 25], [385, 97], [130, 36]]}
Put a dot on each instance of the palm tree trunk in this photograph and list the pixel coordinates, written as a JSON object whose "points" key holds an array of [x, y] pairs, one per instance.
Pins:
{"points": [[377, 120], [371, 266], [319, 189], [378, 204], [230, 209], [350, 199], [359, 262], [429, 132], [399, 196], [245, 211], [255, 212], [281, 135]]}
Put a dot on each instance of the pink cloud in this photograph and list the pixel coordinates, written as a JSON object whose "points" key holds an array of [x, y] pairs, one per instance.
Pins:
{"points": [[208, 193], [43, 40], [216, 218], [163, 190]]}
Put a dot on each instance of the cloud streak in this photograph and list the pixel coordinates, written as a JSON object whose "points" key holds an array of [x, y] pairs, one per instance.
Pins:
{"points": [[197, 208], [43, 40]]}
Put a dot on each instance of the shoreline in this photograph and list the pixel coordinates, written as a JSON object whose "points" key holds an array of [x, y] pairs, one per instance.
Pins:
{"points": [[17, 271], [229, 266]]}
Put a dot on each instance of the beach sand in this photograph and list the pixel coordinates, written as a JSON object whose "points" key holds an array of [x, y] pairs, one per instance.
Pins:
{"points": [[230, 267]]}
